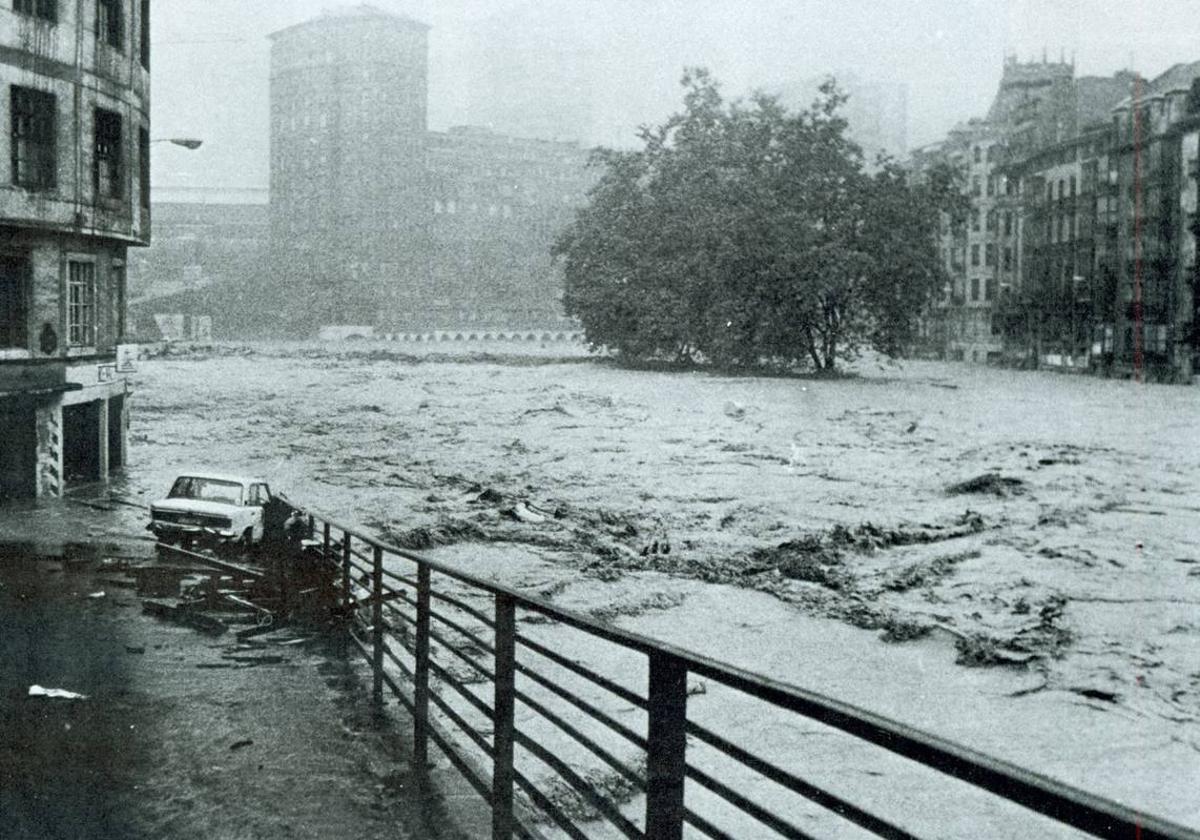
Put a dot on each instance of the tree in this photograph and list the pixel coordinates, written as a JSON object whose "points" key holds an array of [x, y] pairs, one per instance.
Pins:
{"points": [[743, 235]]}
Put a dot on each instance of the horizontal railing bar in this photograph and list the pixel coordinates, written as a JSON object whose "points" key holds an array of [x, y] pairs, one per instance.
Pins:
{"points": [[464, 631], [460, 764], [547, 807], [524, 832], [437, 637], [399, 663], [462, 724], [360, 645], [389, 596], [587, 673], [694, 819], [360, 554], [467, 608], [582, 786], [399, 613], [446, 677], [799, 786], [397, 576], [398, 693], [753, 809], [366, 570], [599, 751], [620, 728], [1055, 799]]}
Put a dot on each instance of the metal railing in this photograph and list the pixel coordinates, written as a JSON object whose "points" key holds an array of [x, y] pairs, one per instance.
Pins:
{"points": [[415, 624]]}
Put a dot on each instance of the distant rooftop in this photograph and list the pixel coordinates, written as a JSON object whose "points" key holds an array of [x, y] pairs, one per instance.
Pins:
{"points": [[355, 13], [1176, 79]]}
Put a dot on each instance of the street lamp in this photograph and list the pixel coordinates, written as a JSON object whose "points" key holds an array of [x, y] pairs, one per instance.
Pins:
{"points": [[187, 142]]}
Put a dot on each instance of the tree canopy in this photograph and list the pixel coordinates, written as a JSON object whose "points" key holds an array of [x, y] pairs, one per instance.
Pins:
{"points": [[743, 235]]}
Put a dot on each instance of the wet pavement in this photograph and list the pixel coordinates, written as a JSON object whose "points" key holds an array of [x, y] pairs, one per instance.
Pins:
{"points": [[180, 734]]}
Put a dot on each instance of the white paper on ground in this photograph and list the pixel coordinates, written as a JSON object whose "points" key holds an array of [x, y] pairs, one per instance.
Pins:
{"points": [[58, 693]]}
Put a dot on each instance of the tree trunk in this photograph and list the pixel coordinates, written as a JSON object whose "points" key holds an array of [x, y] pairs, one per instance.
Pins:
{"points": [[812, 347]]}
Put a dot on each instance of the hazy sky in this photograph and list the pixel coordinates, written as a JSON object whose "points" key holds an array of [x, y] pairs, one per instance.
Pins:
{"points": [[211, 57]]}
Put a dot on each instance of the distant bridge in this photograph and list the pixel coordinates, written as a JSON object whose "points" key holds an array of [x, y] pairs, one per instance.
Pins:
{"points": [[435, 336]]}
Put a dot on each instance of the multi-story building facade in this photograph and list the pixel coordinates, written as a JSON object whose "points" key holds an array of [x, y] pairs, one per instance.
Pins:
{"points": [[377, 221], [74, 196], [497, 202], [1153, 165], [1064, 201], [1032, 267]]}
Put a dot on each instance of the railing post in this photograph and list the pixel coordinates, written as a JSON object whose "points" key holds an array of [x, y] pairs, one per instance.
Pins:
{"points": [[377, 625], [346, 593], [328, 543], [421, 673], [667, 736], [312, 526], [504, 727]]}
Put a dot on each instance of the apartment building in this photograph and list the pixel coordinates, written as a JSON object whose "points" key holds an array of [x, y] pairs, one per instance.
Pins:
{"points": [[74, 196]]}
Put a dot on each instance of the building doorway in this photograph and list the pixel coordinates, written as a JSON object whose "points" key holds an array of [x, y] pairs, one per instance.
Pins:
{"points": [[18, 455], [81, 442], [116, 423]]}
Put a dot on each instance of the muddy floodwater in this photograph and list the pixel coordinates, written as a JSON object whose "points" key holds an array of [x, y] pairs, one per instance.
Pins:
{"points": [[1009, 559]]}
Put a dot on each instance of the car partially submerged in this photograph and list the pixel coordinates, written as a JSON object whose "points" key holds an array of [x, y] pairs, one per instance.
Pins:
{"points": [[211, 508]]}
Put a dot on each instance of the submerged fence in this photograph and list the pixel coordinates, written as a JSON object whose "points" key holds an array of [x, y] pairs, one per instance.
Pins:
{"points": [[421, 634]]}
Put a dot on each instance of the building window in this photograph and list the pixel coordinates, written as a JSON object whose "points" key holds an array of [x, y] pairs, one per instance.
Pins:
{"points": [[1073, 185], [119, 284], [990, 254], [975, 219], [14, 302], [989, 289], [976, 186], [975, 255], [144, 166], [44, 9], [991, 186], [978, 154], [81, 304], [974, 288], [110, 24], [106, 162], [34, 138], [144, 30], [1008, 258], [991, 220], [1008, 224]]}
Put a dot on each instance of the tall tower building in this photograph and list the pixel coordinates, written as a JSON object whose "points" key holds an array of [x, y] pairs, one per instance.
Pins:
{"points": [[349, 96]]}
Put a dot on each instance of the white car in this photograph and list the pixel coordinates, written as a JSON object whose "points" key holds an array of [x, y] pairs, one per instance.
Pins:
{"points": [[211, 508]]}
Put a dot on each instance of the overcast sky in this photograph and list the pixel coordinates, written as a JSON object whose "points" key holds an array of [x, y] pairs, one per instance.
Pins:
{"points": [[211, 57]]}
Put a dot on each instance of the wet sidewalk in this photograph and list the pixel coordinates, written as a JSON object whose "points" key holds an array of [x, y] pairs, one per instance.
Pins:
{"points": [[183, 735]]}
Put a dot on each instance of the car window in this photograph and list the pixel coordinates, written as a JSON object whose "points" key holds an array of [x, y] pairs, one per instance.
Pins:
{"points": [[258, 494], [207, 490]]}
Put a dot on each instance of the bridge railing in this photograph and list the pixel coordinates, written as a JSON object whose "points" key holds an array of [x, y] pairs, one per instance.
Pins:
{"points": [[463, 654]]}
